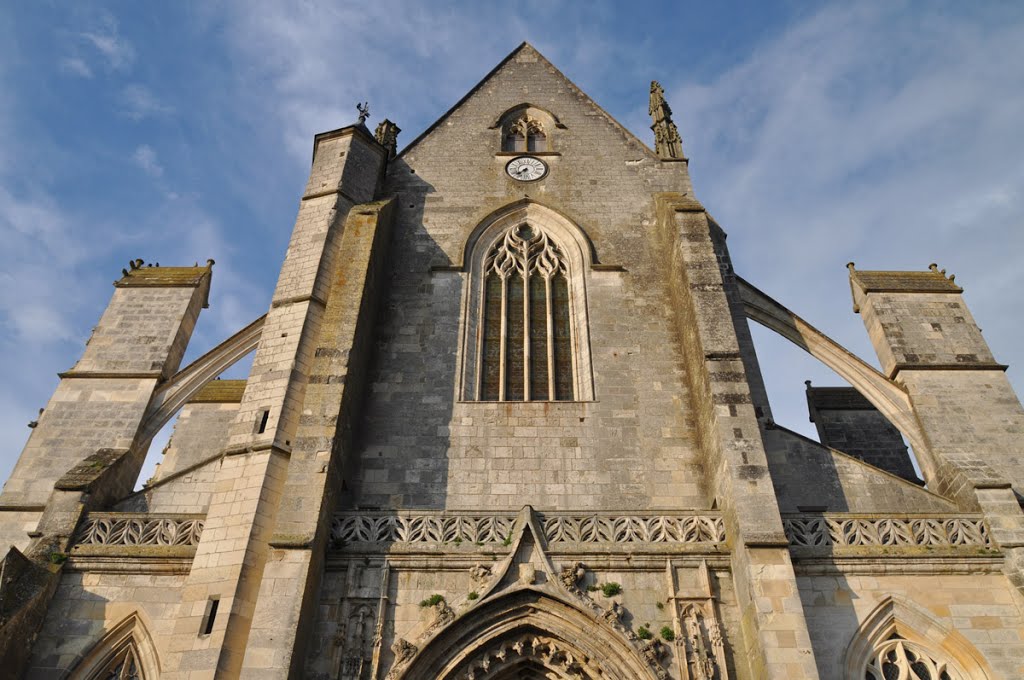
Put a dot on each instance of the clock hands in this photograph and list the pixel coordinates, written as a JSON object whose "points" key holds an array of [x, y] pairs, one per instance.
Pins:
{"points": [[525, 169]]}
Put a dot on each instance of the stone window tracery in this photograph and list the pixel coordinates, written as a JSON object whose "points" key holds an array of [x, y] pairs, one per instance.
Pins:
{"points": [[900, 659], [524, 134], [124, 666], [525, 349], [902, 641], [525, 326]]}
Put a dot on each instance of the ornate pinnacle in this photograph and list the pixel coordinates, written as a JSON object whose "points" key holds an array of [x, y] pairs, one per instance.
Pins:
{"points": [[387, 136], [667, 142]]}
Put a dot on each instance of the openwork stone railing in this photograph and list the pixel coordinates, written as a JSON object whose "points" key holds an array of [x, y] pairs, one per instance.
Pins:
{"points": [[139, 529], [634, 529], [377, 527], [864, 530]]}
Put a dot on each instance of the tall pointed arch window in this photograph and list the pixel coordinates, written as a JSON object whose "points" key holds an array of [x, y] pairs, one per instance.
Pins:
{"points": [[526, 336], [525, 344]]}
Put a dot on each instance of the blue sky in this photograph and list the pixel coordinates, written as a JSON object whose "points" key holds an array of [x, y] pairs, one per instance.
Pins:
{"points": [[884, 133]]}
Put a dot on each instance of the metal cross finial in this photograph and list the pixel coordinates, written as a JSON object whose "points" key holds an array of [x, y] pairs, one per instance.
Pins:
{"points": [[364, 111]]}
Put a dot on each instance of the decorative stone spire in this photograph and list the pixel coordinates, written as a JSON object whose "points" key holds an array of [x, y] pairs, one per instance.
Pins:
{"points": [[387, 136], [667, 142]]}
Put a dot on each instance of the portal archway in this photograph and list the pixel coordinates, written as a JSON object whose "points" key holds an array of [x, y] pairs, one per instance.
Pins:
{"points": [[528, 634]]}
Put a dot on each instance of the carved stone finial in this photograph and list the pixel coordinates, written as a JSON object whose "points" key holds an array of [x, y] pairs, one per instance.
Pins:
{"points": [[849, 265], [667, 142], [387, 136], [364, 112]]}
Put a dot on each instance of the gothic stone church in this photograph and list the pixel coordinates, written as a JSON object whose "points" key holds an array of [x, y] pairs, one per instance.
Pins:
{"points": [[505, 420]]}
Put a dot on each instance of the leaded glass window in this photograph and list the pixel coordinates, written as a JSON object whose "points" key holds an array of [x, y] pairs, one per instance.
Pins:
{"points": [[526, 341]]}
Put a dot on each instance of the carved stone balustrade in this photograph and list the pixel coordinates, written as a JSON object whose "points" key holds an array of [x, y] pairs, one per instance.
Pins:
{"points": [[706, 529], [842, 530], [138, 534]]}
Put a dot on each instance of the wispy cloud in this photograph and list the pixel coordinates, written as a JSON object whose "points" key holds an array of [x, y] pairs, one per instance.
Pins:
{"points": [[145, 157], [139, 102], [866, 133], [117, 52], [296, 51], [99, 47], [75, 66]]}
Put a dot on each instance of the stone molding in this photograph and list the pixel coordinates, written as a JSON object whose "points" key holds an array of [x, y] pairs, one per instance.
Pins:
{"points": [[381, 527], [845, 530]]}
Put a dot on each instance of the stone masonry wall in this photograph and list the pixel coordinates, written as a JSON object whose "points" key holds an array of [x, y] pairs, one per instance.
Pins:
{"points": [[179, 484], [87, 605], [633, 446], [82, 416], [14, 528], [924, 328], [808, 475], [99, 404], [138, 332], [848, 422], [199, 433], [983, 607]]}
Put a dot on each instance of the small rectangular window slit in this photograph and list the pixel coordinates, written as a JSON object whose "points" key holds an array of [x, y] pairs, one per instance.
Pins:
{"points": [[261, 421], [210, 616]]}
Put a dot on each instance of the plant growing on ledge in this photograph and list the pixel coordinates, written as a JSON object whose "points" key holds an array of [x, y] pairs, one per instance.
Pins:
{"points": [[473, 595], [610, 589], [667, 634], [644, 633], [432, 601]]}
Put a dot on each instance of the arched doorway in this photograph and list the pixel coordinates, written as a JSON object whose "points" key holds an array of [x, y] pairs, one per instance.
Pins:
{"points": [[528, 634]]}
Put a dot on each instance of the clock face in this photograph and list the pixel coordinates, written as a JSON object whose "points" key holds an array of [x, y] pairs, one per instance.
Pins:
{"points": [[526, 168]]}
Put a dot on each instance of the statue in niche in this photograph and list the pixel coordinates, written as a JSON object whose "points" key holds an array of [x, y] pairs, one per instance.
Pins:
{"points": [[357, 637], [702, 639]]}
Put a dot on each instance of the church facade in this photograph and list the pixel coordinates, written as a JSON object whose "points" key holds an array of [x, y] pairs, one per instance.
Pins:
{"points": [[505, 420]]}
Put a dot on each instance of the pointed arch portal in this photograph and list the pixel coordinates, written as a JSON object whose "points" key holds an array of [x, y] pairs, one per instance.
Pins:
{"points": [[528, 634]]}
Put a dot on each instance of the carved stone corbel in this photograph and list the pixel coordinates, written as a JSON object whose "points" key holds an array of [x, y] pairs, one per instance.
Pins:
{"points": [[404, 652]]}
